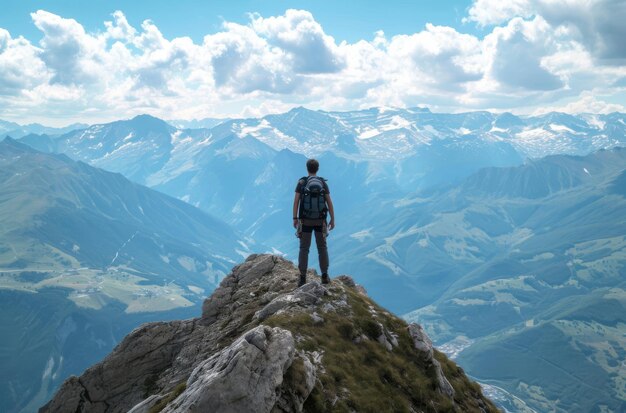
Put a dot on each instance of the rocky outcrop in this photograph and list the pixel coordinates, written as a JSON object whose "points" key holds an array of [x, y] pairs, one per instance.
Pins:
{"points": [[424, 345], [264, 345], [304, 297], [222, 383]]}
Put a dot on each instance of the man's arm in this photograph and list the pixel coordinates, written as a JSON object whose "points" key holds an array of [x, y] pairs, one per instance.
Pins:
{"points": [[296, 202], [331, 211]]}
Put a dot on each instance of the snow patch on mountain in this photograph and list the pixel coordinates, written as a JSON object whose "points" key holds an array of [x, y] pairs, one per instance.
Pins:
{"points": [[597, 123], [367, 133], [266, 133], [181, 160], [362, 235], [561, 128], [397, 122]]}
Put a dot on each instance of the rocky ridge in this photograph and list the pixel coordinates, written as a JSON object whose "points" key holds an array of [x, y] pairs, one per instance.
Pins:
{"points": [[263, 345]]}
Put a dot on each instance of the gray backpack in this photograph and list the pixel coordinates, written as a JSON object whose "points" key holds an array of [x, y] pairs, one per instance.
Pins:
{"points": [[313, 198]]}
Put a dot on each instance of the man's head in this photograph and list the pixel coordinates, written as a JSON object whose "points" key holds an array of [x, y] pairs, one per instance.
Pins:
{"points": [[312, 166]]}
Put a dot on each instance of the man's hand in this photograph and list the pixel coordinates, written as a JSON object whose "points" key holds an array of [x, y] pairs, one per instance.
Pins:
{"points": [[331, 224], [295, 223]]}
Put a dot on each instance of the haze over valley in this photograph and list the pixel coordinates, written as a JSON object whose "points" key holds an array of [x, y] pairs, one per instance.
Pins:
{"points": [[452, 219]]}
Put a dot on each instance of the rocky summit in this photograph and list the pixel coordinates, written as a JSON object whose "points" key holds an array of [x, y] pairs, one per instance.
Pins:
{"points": [[263, 345]]}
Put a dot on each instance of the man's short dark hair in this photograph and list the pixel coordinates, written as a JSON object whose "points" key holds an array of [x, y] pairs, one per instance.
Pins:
{"points": [[312, 166]]}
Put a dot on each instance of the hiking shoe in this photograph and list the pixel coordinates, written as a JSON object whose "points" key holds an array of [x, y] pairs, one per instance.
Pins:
{"points": [[325, 278], [302, 280]]}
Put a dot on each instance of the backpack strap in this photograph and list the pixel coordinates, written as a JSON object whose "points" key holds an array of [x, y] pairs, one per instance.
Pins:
{"points": [[303, 180]]}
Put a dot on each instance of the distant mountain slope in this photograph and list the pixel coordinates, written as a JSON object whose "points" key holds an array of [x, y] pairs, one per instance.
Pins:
{"points": [[86, 255], [50, 200], [136, 147], [530, 262], [422, 214], [43, 142], [401, 150], [16, 131], [196, 123]]}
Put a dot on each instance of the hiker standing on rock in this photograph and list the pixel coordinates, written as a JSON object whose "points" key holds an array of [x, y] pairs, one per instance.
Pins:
{"points": [[310, 207]]}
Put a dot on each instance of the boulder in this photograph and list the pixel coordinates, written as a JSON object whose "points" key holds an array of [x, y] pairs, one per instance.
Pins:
{"points": [[223, 382]]}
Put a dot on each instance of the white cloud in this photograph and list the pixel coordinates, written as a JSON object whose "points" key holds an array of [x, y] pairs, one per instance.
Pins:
{"points": [[20, 65], [4, 39], [303, 39], [586, 103], [243, 62], [120, 29], [73, 56], [599, 24], [490, 12], [440, 53], [539, 53], [518, 53]]}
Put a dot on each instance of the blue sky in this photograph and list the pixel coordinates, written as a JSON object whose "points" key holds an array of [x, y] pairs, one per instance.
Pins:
{"points": [[62, 62], [344, 20]]}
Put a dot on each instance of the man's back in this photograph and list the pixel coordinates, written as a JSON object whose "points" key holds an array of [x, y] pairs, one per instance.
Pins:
{"points": [[311, 205]]}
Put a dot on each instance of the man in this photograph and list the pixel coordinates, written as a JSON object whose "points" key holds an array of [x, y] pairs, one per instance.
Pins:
{"points": [[310, 205]]}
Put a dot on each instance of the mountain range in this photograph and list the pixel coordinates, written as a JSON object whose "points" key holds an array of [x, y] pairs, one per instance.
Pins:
{"points": [[85, 256], [385, 151], [15, 130], [524, 269], [458, 220]]}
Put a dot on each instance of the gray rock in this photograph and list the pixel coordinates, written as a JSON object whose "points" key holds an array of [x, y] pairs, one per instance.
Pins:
{"points": [[120, 379], [328, 307], [421, 341], [146, 405], [317, 319], [73, 397], [393, 338], [443, 385], [263, 276], [305, 296], [424, 345], [385, 338], [218, 300], [293, 394], [253, 268], [346, 280], [349, 282], [256, 361], [382, 339]]}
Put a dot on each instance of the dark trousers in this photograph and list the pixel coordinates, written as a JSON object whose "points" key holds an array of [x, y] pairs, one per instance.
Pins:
{"points": [[305, 244]]}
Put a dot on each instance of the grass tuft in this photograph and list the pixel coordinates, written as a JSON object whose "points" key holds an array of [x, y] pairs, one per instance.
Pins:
{"points": [[365, 376], [162, 404]]}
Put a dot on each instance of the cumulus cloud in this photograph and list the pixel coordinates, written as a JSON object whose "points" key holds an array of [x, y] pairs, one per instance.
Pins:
{"points": [[71, 54], [518, 52], [243, 62], [440, 53], [535, 53], [21, 67], [161, 59], [599, 24], [491, 12], [297, 33], [119, 29], [586, 103]]}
